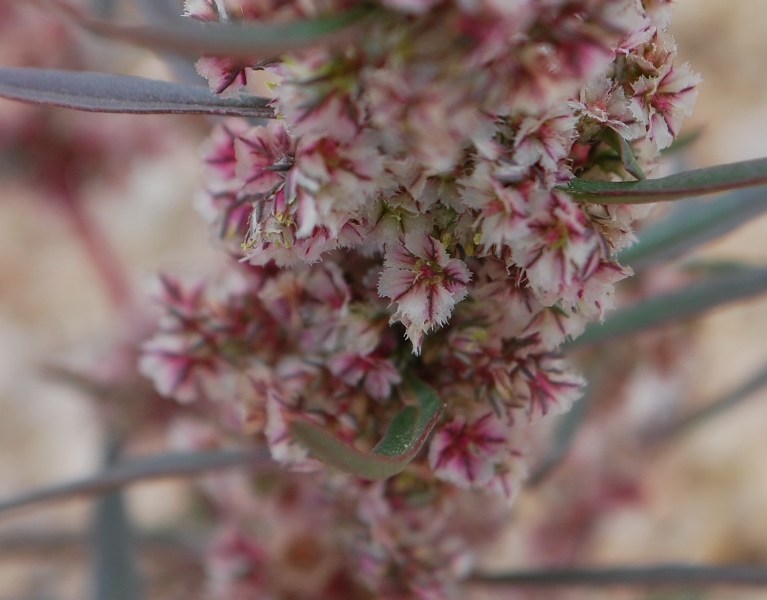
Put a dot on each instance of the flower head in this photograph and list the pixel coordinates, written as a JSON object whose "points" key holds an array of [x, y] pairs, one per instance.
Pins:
{"points": [[424, 282]]}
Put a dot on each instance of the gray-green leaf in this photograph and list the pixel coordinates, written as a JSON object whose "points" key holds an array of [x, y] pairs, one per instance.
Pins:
{"points": [[698, 182], [103, 92], [686, 303], [404, 438]]}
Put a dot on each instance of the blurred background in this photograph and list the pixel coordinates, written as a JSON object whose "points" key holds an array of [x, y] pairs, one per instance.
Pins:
{"points": [[698, 497]]}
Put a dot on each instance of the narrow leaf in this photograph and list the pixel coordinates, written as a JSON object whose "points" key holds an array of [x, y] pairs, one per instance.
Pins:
{"points": [[707, 267], [692, 224], [685, 575], [138, 470], [194, 38], [686, 303], [674, 187], [404, 438], [626, 154], [103, 92], [105, 8], [112, 546], [693, 419]]}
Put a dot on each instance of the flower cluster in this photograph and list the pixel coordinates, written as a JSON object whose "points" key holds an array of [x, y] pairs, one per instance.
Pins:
{"points": [[322, 537], [407, 213]]}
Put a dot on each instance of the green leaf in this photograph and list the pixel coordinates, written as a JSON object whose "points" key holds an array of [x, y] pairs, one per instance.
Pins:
{"points": [[707, 267], [692, 224], [684, 575], [103, 92], [674, 187], [625, 152], [138, 470], [686, 303], [193, 38], [404, 438]]}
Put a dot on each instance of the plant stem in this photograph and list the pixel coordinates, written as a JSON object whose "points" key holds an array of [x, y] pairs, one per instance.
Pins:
{"points": [[138, 470], [655, 575]]}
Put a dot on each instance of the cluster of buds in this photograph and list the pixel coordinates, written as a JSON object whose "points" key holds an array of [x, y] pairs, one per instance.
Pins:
{"points": [[407, 214]]}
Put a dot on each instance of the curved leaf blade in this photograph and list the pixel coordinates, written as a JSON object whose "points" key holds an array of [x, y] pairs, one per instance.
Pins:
{"points": [[691, 226], [625, 152], [698, 182], [193, 38], [680, 574], [104, 92], [405, 436], [691, 301]]}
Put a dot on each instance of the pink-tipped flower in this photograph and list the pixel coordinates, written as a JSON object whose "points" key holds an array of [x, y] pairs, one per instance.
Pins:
{"points": [[561, 248], [467, 451], [226, 76], [501, 210], [603, 103], [178, 369], [219, 156], [264, 157], [424, 282], [377, 374], [546, 139], [664, 101], [541, 383], [318, 94]]}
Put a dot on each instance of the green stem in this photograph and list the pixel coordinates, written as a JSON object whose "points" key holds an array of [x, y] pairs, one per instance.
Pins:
{"points": [[699, 182], [678, 575]]}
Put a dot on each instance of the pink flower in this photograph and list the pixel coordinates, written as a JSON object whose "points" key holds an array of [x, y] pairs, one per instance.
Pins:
{"points": [[437, 119], [424, 282], [178, 369], [264, 157], [542, 384], [226, 76], [238, 560], [545, 139], [218, 154], [378, 374], [466, 451], [227, 213], [561, 248], [317, 94], [603, 103], [596, 295], [502, 218], [202, 10], [664, 101], [279, 410], [332, 180]]}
